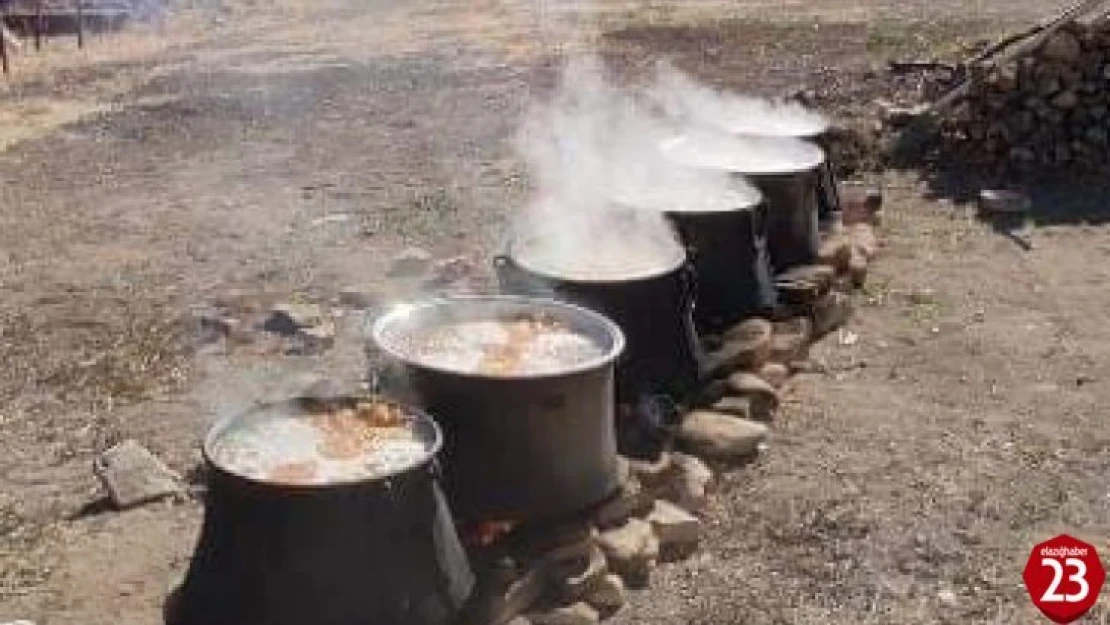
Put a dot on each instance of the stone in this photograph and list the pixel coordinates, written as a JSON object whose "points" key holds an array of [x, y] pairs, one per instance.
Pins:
{"points": [[410, 262], [735, 406], [760, 393], [1063, 46], [574, 585], [775, 373], [831, 313], [357, 298], [451, 271], [652, 474], [577, 614], [857, 268], [215, 325], [134, 476], [863, 238], [290, 317], [860, 205], [632, 549], [1065, 100], [873, 199], [630, 500], [791, 340], [607, 595], [322, 335], [499, 600], [690, 486], [326, 388], [520, 620], [744, 346], [720, 436], [835, 252], [674, 527]]}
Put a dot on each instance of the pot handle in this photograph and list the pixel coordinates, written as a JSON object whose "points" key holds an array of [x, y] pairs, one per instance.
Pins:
{"points": [[689, 285], [504, 267]]}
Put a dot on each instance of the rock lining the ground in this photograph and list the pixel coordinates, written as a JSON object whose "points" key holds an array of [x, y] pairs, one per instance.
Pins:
{"points": [[133, 476]]}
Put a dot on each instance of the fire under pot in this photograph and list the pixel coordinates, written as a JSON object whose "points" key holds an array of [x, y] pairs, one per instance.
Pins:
{"points": [[523, 389], [786, 171], [325, 512], [648, 290], [725, 239]]}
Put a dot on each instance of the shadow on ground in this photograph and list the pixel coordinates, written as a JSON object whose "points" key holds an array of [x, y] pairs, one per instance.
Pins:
{"points": [[1058, 197]]}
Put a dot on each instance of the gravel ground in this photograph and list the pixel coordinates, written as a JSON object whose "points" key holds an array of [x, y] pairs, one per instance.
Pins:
{"points": [[250, 160]]}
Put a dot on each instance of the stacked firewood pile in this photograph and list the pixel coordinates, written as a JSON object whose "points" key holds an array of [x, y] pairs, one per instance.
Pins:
{"points": [[1045, 110]]}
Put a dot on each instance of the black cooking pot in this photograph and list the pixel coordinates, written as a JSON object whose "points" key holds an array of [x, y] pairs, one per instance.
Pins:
{"points": [[519, 447], [345, 553], [793, 227], [785, 170], [820, 134], [728, 250], [655, 312]]}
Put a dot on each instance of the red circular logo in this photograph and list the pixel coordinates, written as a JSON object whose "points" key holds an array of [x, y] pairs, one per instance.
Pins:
{"points": [[1064, 578]]}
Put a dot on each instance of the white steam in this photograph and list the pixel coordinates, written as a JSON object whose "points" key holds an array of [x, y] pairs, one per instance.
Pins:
{"points": [[742, 154], [602, 183], [698, 105]]}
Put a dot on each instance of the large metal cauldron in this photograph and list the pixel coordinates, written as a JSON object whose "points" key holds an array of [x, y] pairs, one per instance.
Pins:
{"points": [[726, 241], [518, 448], [786, 171], [653, 307], [344, 553], [817, 131]]}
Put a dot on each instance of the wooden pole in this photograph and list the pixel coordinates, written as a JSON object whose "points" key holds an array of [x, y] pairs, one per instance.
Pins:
{"points": [[4, 45], [80, 24], [38, 25]]}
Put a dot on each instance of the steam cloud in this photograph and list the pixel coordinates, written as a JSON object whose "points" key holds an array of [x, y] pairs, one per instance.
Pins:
{"points": [[698, 105], [600, 179]]}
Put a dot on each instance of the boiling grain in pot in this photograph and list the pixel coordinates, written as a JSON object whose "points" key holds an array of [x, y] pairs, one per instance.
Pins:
{"points": [[367, 440], [529, 346]]}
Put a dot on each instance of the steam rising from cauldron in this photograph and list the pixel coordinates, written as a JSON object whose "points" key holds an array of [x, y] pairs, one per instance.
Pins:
{"points": [[696, 104], [593, 155]]}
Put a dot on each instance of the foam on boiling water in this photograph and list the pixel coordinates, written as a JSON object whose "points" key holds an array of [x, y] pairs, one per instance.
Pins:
{"points": [[502, 347], [745, 155], [606, 243], [316, 449], [679, 200]]}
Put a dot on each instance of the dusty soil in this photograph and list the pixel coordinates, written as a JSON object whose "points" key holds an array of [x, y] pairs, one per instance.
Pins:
{"points": [[235, 161]]}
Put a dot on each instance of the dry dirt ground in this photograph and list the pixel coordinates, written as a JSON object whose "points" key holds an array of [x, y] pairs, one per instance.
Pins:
{"points": [[240, 160]]}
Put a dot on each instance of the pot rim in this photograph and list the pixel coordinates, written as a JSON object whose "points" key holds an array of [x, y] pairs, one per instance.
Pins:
{"points": [[222, 425], [816, 157], [380, 324], [814, 134], [680, 259]]}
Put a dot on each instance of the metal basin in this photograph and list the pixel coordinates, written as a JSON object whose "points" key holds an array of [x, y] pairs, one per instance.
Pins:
{"points": [[517, 447]]}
